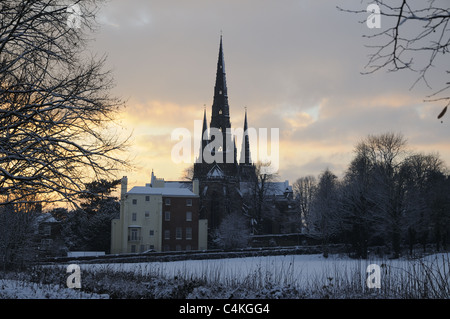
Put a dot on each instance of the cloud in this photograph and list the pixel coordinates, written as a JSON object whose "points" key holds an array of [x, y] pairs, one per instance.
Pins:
{"points": [[295, 65], [156, 115]]}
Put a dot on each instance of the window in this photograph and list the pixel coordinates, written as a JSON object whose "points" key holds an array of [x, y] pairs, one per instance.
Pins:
{"points": [[151, 232], [178, 247], [167, 216], [134, 201], [147, 198], [188, 232], [167, 234], [179, 233], [152, 247], [189, 202], [188, 216], [147, 214], [188, 247], [133, 217], [134, 234], [133, 248], [166, 248], [167, 201], [142, 248]]}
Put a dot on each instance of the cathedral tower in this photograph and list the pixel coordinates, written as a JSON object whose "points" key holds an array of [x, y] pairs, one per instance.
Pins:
{"points": [[219, 180]]}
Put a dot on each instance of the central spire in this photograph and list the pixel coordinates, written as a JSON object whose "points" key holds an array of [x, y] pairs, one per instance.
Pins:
{"points": [[220, 117], [221, 82]]}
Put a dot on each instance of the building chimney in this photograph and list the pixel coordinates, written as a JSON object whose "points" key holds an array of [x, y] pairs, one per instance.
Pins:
{"points": [[195, 187], [124, 186]]}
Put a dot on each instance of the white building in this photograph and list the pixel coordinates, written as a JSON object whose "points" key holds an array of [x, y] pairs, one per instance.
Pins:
{"points": [[160, 216]]}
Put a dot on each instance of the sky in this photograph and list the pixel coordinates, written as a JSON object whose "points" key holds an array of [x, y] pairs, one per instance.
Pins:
{"points": [[294, 65]]}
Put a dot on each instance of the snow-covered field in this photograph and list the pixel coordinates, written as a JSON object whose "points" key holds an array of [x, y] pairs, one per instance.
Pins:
{"points": [[292, 269], [17, 289], [290, 276]]}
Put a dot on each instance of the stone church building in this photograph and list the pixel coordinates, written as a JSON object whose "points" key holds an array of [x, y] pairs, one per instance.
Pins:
{"points": [[217, 169]]}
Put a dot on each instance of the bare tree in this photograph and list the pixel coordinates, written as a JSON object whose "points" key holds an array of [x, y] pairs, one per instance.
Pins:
{"points": [[17, 231], [258, 201], [419, 170], [414, 35], [358, 204], [384, 154], [304, 189], [55, 103], [188, 174], [325, 219], [427, 199], [392, 196]]}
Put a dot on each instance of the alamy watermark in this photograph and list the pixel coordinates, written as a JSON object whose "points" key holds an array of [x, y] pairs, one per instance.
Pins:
{"points": [[374, 278], [267, 152], [74, 279], [374, 19]]}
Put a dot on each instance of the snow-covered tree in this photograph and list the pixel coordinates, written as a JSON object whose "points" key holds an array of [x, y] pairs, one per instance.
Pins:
{"points": [[325, 222], [233, 231], [17, 230], [304, 189], [421, 171], [358, 204]]}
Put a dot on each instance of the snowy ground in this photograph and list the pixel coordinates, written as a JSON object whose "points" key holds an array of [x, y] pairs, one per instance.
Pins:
{"points": [[308, 276], [15, 289], [294, 269], [290, 276]]}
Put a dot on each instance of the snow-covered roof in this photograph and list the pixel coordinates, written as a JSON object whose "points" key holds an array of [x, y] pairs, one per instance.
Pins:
{"points": [[164, 191], [279, 188], [46, 218], [272, 188]]}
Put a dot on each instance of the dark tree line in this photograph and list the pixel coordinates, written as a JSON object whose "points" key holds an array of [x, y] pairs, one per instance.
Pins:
{"points": [[389, 197], [88, 228]]}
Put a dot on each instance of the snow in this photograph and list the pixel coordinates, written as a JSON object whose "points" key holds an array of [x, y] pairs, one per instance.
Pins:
{"points": [[87, 253], [301, 265], [283, 276], [15, 289], [45, 218], [296, 269], [162, 191]]}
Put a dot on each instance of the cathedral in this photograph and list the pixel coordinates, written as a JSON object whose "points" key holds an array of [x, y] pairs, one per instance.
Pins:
{"points": [[217, 169]]}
